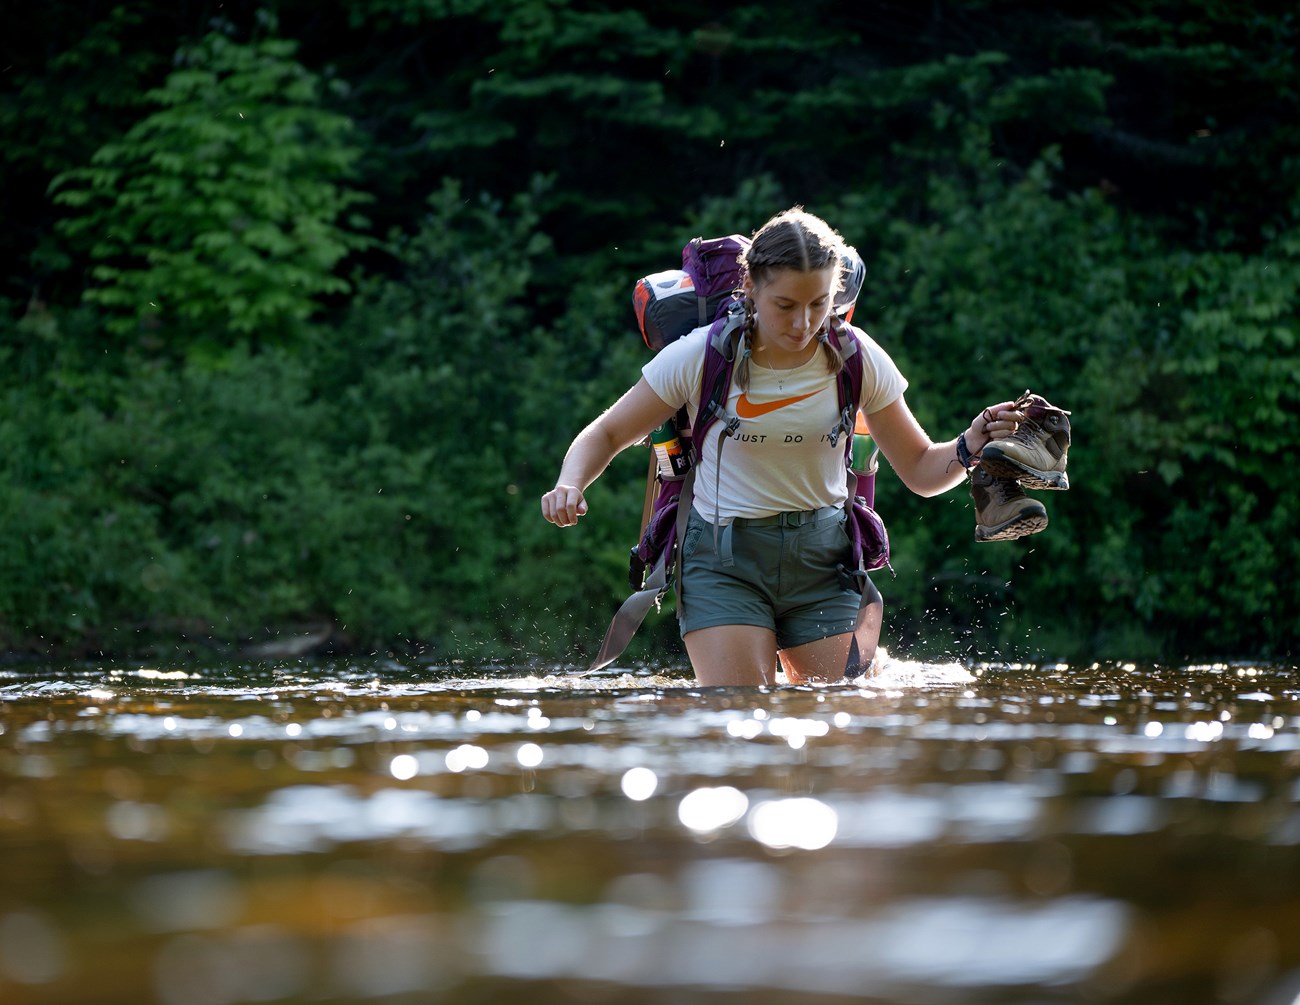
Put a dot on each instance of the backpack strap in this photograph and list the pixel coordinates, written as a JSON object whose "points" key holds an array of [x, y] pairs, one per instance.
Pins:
{"points": [[850, 383], [725, 345], [720, 355], [666, 572]]}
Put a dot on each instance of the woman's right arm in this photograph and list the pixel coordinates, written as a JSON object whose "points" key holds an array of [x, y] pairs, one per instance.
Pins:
{"points": [[629, 420]]}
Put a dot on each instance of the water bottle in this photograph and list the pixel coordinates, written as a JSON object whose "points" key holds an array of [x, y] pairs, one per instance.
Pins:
{"points": [[668, 451], [865, 461], [865, 450], [865, 454]]}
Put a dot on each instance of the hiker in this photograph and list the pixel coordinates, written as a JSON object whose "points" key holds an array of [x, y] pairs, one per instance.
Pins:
{"points": [[764, 545]]}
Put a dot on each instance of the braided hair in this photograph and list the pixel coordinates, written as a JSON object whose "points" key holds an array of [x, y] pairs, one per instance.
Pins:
{"points": [[793, 239]]}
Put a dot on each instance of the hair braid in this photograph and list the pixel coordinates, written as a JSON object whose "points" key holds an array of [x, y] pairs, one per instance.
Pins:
{"points": [[741, 376]]}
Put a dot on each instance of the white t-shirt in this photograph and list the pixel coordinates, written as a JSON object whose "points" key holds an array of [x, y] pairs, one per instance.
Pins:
{"points": [[781, 459]]}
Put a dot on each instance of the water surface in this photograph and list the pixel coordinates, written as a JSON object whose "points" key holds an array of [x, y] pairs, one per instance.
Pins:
{"points": [[390, 831]]}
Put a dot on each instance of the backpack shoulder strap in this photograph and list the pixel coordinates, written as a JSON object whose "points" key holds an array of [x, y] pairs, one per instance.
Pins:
{"points": [[851, 349], [849, 384], [659, 544], [720, 353]]}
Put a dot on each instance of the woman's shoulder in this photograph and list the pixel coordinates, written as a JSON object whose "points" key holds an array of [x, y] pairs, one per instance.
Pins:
{"points": [[674, 371], [883, 381], [690, 347], [693, 341], [864, 338]]}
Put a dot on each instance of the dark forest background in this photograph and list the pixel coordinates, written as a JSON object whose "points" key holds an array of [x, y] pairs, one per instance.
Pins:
{"points": [[303, 302]]}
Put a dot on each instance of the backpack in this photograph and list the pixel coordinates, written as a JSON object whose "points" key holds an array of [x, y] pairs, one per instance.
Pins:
{"points": [[668, 305]]}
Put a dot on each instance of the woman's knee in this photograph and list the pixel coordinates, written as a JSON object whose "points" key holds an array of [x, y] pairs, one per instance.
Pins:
{"points": [[732, 655], [820, 662]]}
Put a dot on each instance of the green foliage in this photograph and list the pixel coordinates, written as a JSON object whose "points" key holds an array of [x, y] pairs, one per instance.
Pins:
{"points": [[98, 72], [1099, 206], [420, 373], [92, 83], [344, 481], [221, 213]]}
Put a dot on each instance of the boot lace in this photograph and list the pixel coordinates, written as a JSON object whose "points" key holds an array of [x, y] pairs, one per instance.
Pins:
{"points": [[1030, 431]]}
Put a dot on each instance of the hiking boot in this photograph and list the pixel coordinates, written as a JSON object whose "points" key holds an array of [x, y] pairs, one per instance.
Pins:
{"points": [[1034, 455], [1002, 510]]}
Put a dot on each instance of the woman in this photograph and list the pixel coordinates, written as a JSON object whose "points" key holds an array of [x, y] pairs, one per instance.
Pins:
{"points": [[767, 587]]}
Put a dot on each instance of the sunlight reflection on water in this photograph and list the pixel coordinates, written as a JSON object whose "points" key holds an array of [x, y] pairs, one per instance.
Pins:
{"points": [[365, 831], [983, 940]]}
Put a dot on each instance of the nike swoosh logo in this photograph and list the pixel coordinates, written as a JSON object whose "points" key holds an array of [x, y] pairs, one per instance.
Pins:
{"points": [[747, 409]]}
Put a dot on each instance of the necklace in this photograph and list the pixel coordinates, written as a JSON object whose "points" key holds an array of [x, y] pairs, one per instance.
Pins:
{"points": [[780, 374]]}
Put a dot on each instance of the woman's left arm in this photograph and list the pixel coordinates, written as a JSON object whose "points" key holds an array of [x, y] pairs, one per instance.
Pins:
{"points": [[929, 468]]}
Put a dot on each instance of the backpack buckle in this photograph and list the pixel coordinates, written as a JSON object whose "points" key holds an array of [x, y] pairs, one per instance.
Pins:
{"points": [[845, 425]]}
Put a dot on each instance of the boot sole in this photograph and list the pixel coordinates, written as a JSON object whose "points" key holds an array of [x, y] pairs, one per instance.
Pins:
{"points": [[998, 465], [1022, 526]]}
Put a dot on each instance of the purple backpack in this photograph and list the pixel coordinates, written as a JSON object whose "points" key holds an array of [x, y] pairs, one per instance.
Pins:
{"points": [[667, 306]]}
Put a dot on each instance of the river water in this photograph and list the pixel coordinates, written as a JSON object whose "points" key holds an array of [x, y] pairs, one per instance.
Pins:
{"points": [[401, 831]]}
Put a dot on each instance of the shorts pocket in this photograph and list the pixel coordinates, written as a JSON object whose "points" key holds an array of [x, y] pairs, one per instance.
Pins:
{"points": [[694, 529], [832, 537]]}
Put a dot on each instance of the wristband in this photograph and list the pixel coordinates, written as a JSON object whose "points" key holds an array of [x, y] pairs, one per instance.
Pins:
{"points": [[963, 452]]}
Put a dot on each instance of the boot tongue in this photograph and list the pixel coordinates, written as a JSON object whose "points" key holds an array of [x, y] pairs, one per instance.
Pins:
{"points": [[1035, 406], [1037, 409]]}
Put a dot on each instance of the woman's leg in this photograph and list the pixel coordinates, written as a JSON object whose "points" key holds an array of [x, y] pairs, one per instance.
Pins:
{"points": [[819, 662], [734, 655]]}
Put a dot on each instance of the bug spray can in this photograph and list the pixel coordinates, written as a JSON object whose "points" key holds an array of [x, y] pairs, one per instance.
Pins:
{"points": [[667, 446]]}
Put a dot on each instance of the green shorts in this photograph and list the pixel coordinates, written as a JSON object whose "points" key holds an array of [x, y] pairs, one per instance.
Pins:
{"points": [[784, 575]]}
